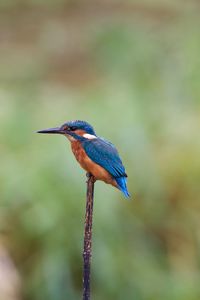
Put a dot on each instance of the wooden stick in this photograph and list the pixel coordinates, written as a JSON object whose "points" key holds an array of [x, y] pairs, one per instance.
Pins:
{"points": [[87, 252]]}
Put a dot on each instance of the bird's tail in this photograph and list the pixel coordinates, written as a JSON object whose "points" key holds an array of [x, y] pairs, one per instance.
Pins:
{"points": [[121, 182]]}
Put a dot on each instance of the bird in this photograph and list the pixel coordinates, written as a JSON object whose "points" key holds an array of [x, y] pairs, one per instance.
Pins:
{"points": [[96, 155]]}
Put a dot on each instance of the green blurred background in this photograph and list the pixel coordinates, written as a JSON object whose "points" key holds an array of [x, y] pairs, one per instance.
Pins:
{"points": [[131, 69]]}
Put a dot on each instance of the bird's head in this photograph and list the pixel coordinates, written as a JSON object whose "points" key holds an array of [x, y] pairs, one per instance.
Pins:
{"points": [[73, 130]]}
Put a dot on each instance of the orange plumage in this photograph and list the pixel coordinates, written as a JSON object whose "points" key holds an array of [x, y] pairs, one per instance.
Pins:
{"points": [[87, 164]]}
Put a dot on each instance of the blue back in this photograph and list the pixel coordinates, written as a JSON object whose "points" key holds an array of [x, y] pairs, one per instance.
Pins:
{"points": [[106, 155]]}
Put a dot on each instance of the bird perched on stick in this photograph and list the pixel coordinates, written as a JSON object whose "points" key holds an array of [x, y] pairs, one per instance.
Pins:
{"points": [[96, 155]]}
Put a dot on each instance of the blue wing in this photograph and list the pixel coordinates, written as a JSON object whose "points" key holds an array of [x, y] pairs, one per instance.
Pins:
{"points": [[105, 154]]}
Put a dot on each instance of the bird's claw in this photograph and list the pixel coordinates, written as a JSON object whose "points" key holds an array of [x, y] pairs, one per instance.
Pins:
{"points": [[90, 176]]}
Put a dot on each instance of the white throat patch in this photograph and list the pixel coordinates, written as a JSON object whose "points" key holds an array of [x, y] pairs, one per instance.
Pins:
{"points": [[70, 138], [89, 136]]}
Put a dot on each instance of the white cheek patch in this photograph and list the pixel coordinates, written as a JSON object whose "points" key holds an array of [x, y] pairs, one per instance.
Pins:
{"points": [[89, 136]]}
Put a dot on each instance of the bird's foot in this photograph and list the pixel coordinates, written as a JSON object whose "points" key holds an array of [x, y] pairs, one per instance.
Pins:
{"points": [[90, 177]]}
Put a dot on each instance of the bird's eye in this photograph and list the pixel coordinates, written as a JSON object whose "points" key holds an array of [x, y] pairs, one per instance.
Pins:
{"points": [[72, 128]]}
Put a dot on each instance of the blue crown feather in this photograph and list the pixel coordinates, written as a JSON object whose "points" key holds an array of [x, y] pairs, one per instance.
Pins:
{"points": [[81, 125]]}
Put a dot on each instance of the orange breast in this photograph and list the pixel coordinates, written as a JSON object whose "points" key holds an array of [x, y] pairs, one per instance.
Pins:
{"points": [[87, 164]]}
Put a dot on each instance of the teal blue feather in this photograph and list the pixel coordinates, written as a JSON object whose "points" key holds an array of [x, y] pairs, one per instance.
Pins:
{"points": [[121, 182], [106, 155]]}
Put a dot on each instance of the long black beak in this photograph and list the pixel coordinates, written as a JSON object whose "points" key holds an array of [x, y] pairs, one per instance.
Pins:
{"points": [[56, 130]]}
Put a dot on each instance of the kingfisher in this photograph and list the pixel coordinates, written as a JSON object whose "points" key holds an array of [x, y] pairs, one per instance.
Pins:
{"points": [[96, 155]]}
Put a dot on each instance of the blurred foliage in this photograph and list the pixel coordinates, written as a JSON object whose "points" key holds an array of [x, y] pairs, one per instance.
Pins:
{"points": [[132, 70]]}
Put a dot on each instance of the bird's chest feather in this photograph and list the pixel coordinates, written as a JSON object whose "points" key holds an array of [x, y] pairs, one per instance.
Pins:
{"points": [[80, 154], [90, 166]]}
